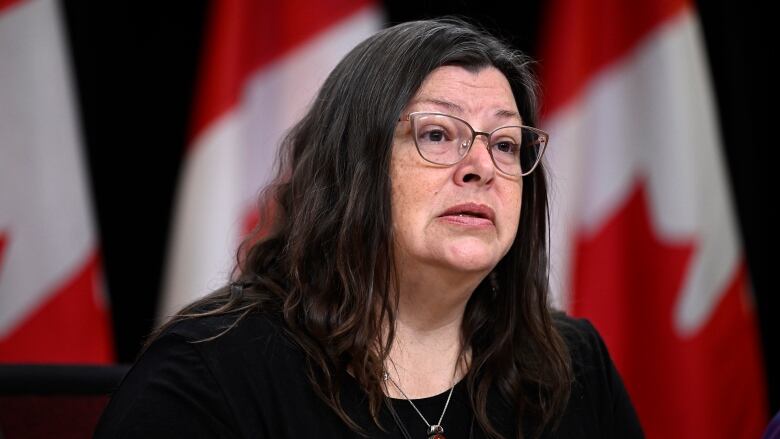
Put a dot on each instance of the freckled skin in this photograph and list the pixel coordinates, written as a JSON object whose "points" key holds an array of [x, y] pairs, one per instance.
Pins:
{"points": [[422, 191]]}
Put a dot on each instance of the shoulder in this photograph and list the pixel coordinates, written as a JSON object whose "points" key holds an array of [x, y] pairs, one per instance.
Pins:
{"points": [[591, 363], [255, 348], [582, 339], [197, 376], [225, 330], [599, 398]]}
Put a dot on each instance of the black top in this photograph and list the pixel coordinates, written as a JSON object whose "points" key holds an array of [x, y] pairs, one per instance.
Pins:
{"points": [[250, 383]]}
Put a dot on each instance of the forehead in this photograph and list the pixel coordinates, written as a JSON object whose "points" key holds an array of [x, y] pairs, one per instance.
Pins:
{"points": [[455, 90]]}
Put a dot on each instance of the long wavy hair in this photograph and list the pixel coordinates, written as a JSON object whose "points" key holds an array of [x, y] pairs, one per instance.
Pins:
{"points": [[322, 257]]}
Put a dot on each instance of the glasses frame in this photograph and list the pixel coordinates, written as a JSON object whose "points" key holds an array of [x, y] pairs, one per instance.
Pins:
{"points": [[474, 133]]}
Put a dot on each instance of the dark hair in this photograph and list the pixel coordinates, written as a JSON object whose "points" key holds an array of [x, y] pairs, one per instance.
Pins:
{"points": [[326, 265]]}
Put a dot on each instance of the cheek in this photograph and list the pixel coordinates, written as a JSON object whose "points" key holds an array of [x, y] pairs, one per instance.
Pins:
{"points": [[402, 195], [413, 193], [406, 177], [518, 203], [408, 198], [514, 205]]}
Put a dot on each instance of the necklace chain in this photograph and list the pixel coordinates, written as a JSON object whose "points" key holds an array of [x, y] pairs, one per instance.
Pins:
{"points": [[432, 429]]}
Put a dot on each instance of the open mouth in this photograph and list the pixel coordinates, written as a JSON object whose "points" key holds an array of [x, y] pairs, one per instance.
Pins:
{"points": [[474, 214], [470, 210]]}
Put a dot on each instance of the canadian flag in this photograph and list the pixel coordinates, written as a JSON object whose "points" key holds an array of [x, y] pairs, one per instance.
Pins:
{"points": [[262, 64], [52, 304], [644, 238]]}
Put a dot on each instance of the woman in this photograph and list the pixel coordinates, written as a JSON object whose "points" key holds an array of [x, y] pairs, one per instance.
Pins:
{"points": [[400, 289]]}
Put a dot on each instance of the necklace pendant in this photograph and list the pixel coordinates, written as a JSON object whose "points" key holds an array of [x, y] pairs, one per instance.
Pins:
{"points": [[436, 432]]}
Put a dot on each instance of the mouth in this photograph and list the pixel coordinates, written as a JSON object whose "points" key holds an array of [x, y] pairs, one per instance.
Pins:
{"points": [[470, 213]]}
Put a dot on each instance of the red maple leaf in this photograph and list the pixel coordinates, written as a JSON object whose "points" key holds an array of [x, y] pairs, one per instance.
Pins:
{"points": [[709, 384]]}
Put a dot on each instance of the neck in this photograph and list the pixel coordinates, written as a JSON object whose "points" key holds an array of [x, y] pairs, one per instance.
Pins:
{"points": [[428, 354], [433, 299]]}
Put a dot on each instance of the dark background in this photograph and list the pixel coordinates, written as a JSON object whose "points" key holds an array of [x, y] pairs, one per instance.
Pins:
{"points": [[136, 66]]}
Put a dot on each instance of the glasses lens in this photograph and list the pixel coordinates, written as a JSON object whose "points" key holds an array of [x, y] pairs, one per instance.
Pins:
{"points": [[441, 139], [517, 150], [506, 148], [534, 143]]}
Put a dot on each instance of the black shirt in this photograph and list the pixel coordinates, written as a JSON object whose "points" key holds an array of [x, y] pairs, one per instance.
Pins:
{"points": [[250, 383]]}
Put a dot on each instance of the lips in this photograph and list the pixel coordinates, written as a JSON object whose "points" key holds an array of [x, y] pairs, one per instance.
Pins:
{"points": [[470, 214]]}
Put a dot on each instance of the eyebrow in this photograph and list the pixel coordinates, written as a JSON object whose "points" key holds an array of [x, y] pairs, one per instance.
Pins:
{"points": [[451, 106], [446, 104]]}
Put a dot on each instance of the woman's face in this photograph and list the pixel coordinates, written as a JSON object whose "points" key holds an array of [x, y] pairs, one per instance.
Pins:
{"points": [[465, 216]]}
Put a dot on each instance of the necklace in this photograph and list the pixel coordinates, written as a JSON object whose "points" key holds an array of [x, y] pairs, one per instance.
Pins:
{"points": [[435, 431]]}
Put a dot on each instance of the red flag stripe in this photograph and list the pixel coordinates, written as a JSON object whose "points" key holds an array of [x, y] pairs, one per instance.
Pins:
{"points": [[71, 326], [233, 53], [5, 4], [584, 37]]}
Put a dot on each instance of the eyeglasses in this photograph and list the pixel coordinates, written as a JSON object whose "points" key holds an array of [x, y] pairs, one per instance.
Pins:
{"points": [[442, 139]]}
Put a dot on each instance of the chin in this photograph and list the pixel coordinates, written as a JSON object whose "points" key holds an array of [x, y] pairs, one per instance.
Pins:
{"points": [[471, 259]]}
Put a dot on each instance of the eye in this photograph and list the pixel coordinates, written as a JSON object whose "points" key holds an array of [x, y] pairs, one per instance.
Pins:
{"points": [[434, 134], [506, 146]]}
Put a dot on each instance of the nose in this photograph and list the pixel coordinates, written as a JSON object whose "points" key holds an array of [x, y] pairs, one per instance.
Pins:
{"points": [[477, 167]]}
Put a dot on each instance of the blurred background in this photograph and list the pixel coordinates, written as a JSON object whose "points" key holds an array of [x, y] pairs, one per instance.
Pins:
{"points": [[151, 84]]}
